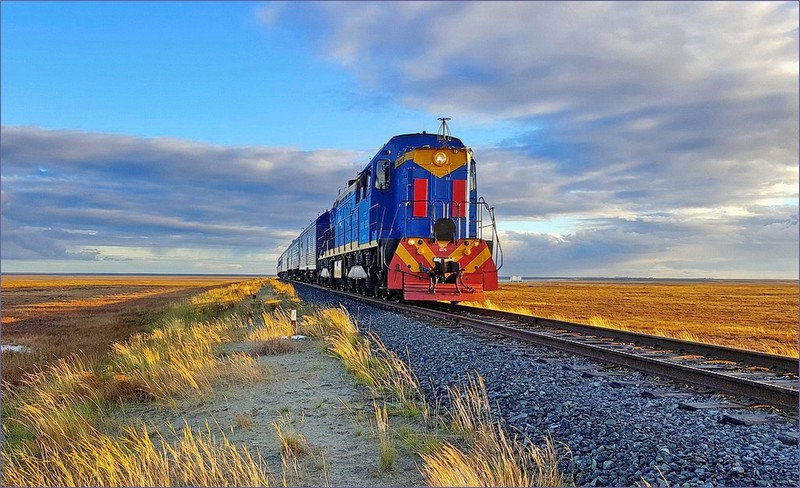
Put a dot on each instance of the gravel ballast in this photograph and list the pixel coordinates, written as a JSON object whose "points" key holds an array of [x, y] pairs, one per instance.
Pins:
{"points": [[617, 437]]}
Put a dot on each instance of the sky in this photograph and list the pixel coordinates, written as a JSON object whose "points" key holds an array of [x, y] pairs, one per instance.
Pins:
{"points": [[619, 139]]}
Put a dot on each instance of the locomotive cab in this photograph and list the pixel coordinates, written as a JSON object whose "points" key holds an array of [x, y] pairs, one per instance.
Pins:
{"points": [[410, 225], [443, 254]]}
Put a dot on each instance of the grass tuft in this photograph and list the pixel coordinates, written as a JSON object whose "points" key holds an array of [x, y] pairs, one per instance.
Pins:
{"points": [[491, 457], [388, 453], [292, 442], [274, 325], [274, 346], [175, 361], [380, 370], [242, 421], [282, 288], [329, 321], [135, 459]]}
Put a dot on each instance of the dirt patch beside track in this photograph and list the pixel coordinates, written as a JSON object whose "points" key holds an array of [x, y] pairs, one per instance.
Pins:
{"points": [[307, 393]]}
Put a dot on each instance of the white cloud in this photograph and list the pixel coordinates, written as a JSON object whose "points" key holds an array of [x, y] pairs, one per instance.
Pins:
{"points": [[108, 198]]}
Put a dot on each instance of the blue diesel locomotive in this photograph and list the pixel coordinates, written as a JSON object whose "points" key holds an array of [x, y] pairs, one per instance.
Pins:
{"points": [[410, 225]]}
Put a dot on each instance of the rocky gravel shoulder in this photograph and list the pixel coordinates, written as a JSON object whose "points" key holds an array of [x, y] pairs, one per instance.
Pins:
{"points": [[617, 436]]}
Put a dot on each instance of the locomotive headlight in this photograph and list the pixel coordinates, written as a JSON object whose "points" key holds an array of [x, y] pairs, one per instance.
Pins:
{"points": [[440, 158]]}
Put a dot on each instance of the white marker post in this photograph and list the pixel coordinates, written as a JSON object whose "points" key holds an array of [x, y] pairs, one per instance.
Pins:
{"points": [[294, 321]]}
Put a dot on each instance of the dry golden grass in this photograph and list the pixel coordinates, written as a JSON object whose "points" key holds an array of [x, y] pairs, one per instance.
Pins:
{"points": [[274, 325], [757, 315], [51, 418], [242, 421], [69, 396], [56, 316], [93, 458], [382, 371], [283, 288], [230, 294], [178, 360], [388, 453], [273, 334], [274, 346], [491, 457], [325, 322], [292, 442], [63, 399]]}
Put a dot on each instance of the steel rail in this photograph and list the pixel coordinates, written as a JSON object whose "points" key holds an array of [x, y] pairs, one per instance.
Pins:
{"points": [[754, 358], [733, 385], [775, 395]]}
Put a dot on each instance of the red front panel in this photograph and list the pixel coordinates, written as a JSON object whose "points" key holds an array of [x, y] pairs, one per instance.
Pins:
{"points": [[420, 197], [459, 198], [414, 256]]}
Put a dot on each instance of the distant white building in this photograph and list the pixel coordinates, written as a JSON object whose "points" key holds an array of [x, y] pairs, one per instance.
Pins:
{"points": [[516, 278]]}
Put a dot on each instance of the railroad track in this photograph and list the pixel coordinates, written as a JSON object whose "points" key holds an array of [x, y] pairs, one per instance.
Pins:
{"points": [[764, 378]]}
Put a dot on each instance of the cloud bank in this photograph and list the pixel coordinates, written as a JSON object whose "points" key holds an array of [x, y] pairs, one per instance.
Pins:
{"points": [[76, 196], [665, 132]]}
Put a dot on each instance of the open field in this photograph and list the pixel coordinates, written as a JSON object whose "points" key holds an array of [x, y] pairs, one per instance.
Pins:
{"points": [[755, 315], [55, 315], [196, 402]]}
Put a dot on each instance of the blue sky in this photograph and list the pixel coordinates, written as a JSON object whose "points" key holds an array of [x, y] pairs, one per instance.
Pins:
{"points": [[614, 139]]}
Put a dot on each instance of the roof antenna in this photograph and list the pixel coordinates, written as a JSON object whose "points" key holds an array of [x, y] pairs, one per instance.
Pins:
{"points": [[444, 132]]}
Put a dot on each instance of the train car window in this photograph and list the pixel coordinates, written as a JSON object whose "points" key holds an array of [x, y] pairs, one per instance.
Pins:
{"points": [[383, 171]]}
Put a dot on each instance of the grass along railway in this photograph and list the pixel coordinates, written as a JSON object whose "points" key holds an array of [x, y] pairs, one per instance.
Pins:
{"points": [[53, 316], [58, 428]]}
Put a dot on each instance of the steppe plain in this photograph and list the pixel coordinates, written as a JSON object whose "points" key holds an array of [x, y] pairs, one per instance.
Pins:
{"points": [[311, 393]]}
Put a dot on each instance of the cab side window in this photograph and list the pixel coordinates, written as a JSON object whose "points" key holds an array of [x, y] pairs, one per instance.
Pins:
{"points": [[362, 185], [383, 171]]}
